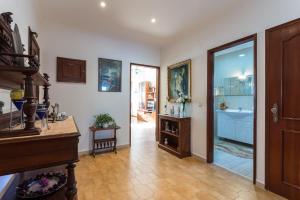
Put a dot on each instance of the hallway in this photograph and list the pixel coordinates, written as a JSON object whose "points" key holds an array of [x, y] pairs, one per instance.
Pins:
{"points": [[142, 132], [146, 172]]}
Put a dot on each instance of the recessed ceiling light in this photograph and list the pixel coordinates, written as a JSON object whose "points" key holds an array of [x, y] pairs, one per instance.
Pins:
{"points": [[242, 55], [103, 4], [153, 20]]}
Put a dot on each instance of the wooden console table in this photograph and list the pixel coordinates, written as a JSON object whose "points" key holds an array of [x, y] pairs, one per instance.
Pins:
{"points": [[105, 143], [53, 147]]}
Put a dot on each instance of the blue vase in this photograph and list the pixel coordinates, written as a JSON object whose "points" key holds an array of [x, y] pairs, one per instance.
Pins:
{"points": [[41, 106], [41, 113], [19, 103]]}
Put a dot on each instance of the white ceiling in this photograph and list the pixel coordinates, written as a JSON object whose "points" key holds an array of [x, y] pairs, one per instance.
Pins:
{"points": [[131, 18]]}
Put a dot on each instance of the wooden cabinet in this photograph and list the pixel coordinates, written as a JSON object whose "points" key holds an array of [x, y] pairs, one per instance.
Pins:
{"points": [[147, 97], [150, 97], [175, 135], [30, 148], [53, 147], [71, 70]]}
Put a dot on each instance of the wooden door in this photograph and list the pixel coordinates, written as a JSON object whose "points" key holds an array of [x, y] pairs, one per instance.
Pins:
{"points": [[283, 110]]}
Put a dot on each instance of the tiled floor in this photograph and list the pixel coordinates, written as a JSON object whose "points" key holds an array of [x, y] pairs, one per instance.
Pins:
{"points": [[142, 132], [235, 164], [146, 172]]}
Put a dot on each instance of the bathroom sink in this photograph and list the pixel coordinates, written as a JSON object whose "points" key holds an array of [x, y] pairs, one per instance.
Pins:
{"points": [[236, 111]]}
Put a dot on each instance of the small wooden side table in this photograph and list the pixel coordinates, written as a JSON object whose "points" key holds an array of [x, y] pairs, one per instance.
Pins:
{"points": [[105, 143]]}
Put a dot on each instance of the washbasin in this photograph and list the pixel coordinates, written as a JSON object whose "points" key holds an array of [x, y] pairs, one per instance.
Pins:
{"points": [[236, 113]]}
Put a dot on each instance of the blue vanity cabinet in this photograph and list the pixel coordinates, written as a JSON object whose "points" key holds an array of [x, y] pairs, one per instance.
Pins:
{"points": [[235, 125]]}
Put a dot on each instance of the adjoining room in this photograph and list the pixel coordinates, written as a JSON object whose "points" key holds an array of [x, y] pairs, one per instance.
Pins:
{"points": [[234, 102], [144, 103]]}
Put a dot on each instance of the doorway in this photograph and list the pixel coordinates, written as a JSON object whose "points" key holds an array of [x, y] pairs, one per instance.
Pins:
{"points": [[144, 103], [283, 110], [231, 107]]}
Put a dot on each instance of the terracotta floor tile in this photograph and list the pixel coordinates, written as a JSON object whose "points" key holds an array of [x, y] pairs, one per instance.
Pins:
{"points": [[146, 172]]}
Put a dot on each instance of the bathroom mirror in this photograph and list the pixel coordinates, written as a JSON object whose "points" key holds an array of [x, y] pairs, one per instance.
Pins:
{"points": [[5, 102], [235, 86], [5, 115]]}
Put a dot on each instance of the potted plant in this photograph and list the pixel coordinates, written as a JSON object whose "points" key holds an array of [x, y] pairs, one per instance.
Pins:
{"points": [[104, 121], [1, 107]]}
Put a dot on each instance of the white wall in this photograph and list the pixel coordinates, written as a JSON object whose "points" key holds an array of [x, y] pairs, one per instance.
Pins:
{"points": [[250, 18], [83, 101]]}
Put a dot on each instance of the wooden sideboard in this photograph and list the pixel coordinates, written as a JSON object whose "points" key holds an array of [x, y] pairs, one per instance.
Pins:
{"points": [[177, 132], [30, 148], [53, 147]]}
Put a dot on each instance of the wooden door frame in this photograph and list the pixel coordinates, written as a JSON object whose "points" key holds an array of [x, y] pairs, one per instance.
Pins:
{"points": [[210, 98], [158, 97]]}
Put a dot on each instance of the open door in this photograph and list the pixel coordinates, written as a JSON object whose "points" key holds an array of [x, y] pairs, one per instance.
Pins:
{"points": [[231, 106], [144, 102], [283, 110]]}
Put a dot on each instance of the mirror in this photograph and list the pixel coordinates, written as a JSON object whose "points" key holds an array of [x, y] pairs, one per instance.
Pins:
{"points": [[5, 109], [5, 102], [235, 86]]}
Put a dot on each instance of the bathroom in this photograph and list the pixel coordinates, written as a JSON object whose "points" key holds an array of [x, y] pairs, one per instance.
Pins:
{"points": [[234, 105]]}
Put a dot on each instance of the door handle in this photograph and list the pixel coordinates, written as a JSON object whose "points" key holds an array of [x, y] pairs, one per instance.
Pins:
{"points": [[274, 111]]}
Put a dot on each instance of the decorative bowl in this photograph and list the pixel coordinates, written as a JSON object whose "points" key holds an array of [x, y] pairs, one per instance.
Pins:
{"points": [[41, 186]]}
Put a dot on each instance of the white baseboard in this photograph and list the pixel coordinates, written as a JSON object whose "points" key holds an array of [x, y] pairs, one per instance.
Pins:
{"points": [[260, 184], [198, 157], [84, 153]]}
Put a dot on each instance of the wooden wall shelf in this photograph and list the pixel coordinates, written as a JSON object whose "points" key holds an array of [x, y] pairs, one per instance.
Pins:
{"points": [[177, 130], [12, 77]]}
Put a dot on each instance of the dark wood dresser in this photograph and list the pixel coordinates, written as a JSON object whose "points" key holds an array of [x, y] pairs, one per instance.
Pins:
{"points": [[54, 147], [29, 148], [175, 135]]}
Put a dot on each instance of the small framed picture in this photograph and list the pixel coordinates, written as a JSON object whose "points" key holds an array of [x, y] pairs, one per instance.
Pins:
{"points": [[109, 75]]}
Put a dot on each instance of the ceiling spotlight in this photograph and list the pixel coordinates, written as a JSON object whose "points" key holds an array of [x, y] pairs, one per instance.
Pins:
{"points": [[153, 20], [242, 55], [103, 4]]}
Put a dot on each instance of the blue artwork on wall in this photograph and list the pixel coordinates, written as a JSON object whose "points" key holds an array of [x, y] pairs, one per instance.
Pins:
{"points": [[109, 75]]}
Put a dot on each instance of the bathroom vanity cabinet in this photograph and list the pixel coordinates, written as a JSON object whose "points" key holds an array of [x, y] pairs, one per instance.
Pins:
{"points": [[235, 125]]}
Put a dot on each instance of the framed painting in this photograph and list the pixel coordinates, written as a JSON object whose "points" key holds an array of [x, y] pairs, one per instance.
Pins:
{"points": [[109, 75], [179, 81]]}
